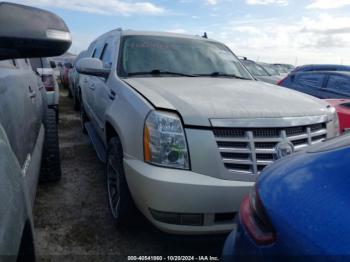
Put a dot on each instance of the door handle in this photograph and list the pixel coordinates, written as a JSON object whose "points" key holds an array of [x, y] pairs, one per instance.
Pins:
{"points": [[111, 94]]}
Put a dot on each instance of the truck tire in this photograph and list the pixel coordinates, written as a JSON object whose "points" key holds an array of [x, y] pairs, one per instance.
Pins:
{"points": [[50, 162], [76, 101], [83, 118], [120, 202]]}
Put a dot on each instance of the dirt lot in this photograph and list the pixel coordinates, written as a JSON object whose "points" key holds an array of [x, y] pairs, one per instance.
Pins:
{"points": [[72, 220]]}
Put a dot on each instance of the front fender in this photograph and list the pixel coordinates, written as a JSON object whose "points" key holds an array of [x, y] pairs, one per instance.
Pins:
{"points": [[127, 116]]}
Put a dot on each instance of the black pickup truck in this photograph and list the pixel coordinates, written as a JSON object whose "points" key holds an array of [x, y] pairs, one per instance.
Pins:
{"points": [[29, 149]]}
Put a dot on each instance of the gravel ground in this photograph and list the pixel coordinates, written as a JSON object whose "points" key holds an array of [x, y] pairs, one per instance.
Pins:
{"points": [[72, 221]]}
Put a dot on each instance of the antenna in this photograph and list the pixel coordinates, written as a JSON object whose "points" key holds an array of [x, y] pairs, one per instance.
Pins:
{"points": [[205, 35]]}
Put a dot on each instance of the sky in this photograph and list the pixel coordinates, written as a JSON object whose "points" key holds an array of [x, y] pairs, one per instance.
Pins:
{"points": [[276, 31]]}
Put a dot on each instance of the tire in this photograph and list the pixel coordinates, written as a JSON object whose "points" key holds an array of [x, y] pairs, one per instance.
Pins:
{"points": [[76, 101], [83, 118], [26, 251], [70, 95], [50, 163], [120, 202]]}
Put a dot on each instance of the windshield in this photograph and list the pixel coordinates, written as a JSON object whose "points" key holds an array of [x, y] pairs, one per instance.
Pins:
{"points": [[270, 69], [281, 69], [255, 69], [175, 56]]}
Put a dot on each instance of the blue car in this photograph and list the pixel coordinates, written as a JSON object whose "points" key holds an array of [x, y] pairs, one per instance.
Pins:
{"points": [[299, 208], [321, 84], [309, 68]]}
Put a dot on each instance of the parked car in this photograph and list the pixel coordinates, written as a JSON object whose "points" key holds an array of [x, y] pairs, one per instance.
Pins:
{"points": [[297, 209], [74, 82], [270, 69], [42, 67], [321, 84], [259, 72], [66, 67], [56, 69], [309, 68], [284, 68], [28, 129], [343, 109], [184, 128]]}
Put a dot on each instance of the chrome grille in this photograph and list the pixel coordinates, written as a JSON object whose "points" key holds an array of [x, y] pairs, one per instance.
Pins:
{"points": [[250, 150]]}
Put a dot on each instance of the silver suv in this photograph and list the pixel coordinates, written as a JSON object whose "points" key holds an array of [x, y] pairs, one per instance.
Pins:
{"points": [[184, 129]]}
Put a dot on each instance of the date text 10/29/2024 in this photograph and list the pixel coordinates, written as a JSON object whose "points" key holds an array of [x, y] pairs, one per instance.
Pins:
{"points": [[173, 258]]}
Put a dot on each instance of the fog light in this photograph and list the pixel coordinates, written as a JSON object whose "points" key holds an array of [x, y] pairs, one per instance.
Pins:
{"points": [[178, 218]]}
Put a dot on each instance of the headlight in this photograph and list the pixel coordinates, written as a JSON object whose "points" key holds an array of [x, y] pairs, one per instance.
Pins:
{"points": [[164, 140], [335, 119]]}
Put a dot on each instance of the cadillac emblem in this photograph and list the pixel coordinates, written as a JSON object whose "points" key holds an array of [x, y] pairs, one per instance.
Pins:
{"points": [[284, 148]]}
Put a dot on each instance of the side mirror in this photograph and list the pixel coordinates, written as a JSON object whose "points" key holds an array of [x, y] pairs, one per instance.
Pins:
{"points": [[52, 64], [92, 66], [27, 32]]}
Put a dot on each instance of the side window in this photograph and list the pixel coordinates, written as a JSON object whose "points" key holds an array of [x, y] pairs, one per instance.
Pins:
{"points": [[339, 83], [107, 55], [310, 80], [98, 50]]}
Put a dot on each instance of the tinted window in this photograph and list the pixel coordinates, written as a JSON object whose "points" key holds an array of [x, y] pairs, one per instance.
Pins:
{"points": [[310, 80], [339, 83], [178, 55]]}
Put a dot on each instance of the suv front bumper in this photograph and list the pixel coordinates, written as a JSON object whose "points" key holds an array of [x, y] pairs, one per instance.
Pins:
{"points": [[184, 194]]}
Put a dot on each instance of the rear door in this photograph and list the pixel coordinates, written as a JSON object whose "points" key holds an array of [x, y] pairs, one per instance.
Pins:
{"points": [[88, 86], [338, 86], [310, 83], [20, 111]]}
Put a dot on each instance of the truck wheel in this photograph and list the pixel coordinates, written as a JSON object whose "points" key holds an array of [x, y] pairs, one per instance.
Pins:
{"points": [[120, 202], [76, 101], [83, 118], [50, 163], [70, 95]]}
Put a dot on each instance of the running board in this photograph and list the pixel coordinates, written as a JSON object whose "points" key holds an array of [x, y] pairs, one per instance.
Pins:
{"points": [[96, 142]]}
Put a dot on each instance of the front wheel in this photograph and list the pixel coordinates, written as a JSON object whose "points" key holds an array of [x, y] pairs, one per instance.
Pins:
{"points": [[121, 204]]}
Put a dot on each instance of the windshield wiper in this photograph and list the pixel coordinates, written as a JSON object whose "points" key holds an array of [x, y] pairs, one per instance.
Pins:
{"points": [[219, 74], [157, 72]]}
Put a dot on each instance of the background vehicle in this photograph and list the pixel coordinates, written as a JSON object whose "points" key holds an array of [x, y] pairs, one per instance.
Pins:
{"points": [[42, 67], [343, 109], [284, 68], [28, 130], [309, 68], [74, 82], [187, 123], [321, 84], [66, 67], [290, 222], [259, 72], [270, 69]]}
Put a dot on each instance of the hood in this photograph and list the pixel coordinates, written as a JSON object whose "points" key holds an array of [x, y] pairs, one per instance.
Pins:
{"points": [[200, 99]]}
